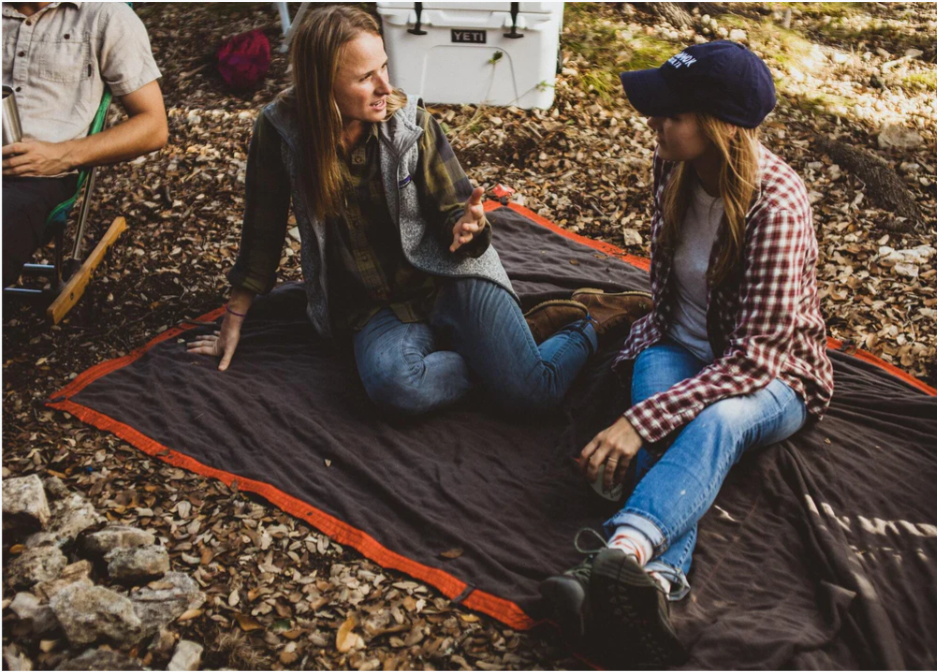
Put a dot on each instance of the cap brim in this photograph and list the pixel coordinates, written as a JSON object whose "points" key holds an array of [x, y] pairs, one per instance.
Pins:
{"points": [[651, 95]]}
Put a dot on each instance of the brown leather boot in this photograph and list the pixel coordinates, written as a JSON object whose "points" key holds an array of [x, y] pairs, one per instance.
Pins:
{"points": [[613, 314], [547, 318]]}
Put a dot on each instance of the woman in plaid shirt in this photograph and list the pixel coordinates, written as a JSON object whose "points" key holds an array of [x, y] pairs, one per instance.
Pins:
{"points": [[732, 357]]}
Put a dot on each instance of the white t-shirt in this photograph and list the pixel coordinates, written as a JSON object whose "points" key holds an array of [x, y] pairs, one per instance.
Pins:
{"points": [[690, 263]]}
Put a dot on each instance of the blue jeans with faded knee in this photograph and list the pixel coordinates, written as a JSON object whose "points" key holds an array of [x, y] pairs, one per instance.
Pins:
{"points": [[673, 492], [489, 345]]}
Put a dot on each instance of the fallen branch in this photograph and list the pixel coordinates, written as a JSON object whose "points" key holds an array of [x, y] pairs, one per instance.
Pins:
{"points": [[884, 185], [912, 54]]}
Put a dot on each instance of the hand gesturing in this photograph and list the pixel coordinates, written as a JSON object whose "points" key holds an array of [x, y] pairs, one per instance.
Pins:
{"points": [[471, 222]]}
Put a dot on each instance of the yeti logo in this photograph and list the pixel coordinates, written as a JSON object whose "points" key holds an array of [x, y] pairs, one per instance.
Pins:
{"points": [[470, 36], [681, 60]]}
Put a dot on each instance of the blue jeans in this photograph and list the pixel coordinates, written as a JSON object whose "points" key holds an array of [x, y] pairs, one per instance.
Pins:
{"points": [[488, 344], [672, 493]]}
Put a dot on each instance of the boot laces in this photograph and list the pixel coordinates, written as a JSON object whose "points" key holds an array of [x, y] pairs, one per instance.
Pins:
{"points": [[583, 570]]}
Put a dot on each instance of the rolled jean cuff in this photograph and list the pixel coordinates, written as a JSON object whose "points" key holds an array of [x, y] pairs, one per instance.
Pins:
{"points": [[648, 527], [679, 586]]}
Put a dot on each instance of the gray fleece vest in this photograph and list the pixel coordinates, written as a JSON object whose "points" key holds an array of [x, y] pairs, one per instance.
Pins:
{"points": [[422, 246]]}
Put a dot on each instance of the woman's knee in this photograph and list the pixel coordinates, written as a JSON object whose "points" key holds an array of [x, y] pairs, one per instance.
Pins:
{"points": [[395, 388], [721, 431], [467, 296], [726, 413]]}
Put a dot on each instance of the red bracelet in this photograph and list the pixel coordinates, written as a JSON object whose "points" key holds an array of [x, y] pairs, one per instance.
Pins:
{"points": [[234, 312]]}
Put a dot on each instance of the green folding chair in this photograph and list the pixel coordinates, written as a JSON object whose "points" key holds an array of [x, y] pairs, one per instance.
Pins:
{"points": [[62, 271]]}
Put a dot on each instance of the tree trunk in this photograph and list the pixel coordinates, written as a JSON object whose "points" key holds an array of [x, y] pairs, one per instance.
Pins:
{"points": [[673, 12], [712, 8], [883, 184]]}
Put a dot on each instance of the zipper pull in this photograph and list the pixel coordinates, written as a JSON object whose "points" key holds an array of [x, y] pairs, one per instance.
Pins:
{"points": [[89, 70]]}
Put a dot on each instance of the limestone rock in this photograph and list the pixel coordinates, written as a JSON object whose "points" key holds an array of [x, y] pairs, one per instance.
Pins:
{"points": [[24, 605], [101, 659], [631, 238], [895, 136], [137, 564], [161, 602], [25, 507], [56, 488], [906, 270], [15, 659], [89, 614], [188, 656], [34, 565], [30, 609], [162, 643], [915, 255], [104, 541], [76, 572], [70, 516]]}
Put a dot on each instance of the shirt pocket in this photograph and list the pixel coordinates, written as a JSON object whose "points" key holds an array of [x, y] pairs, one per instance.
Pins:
{"points": [[65, 58], [10, 33]]}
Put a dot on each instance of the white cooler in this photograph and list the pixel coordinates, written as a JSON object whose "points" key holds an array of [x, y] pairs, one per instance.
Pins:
{"points": [[447, 52]]}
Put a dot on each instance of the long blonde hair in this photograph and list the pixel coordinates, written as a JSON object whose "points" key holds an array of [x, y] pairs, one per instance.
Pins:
{"points": [[738, 183], [317, 50]]}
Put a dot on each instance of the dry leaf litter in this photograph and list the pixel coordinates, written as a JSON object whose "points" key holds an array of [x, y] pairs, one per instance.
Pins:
{"points": [[276, 592]]}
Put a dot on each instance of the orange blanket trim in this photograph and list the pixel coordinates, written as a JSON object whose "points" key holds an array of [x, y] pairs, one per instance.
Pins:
{"points": [[503, 610], [836, 344], [106, 367], [606, 248]]}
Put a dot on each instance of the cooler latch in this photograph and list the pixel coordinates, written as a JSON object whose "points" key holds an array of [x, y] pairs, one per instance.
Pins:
{"points": [[417, 30], [515, 10]]}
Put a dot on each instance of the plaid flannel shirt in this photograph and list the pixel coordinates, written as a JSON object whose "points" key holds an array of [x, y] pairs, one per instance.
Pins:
{"points": [[366, 249], [763, 321]]}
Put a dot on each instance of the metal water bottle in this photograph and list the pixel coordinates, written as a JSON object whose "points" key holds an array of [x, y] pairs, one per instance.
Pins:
{"points": [[12, 130]]}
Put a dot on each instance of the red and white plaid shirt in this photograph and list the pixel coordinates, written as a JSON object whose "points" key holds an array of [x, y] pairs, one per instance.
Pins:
{"points": [[763, 321]]}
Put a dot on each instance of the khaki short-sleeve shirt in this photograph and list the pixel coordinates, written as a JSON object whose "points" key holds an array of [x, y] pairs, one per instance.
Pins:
{"points": [[59, 60]]}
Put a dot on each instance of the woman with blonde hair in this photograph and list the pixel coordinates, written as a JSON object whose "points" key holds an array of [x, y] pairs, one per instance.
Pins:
{"points": [[731, 358], [396, 251]]}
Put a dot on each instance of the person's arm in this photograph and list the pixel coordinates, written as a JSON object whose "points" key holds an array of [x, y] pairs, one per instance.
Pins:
{"points": [[267, 197], [145, 131], [266, 209], [449, 203]]}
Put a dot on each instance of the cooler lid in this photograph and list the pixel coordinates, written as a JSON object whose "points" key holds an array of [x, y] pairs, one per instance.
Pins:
{"points": [[524, 7]]}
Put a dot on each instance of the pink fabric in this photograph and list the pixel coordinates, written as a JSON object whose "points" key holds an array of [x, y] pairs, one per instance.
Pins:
{"points": [[763, 323], [244, 59]]}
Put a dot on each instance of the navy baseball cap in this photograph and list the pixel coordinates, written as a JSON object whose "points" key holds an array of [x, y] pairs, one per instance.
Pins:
{"points": [[720, 78]]}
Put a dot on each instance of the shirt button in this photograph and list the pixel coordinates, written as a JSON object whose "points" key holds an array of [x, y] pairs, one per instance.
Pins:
{"points": [[21, 54], [67, 36], [19, 88]]}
